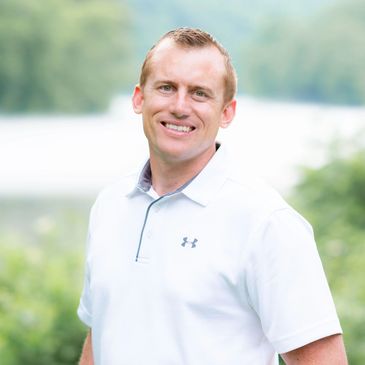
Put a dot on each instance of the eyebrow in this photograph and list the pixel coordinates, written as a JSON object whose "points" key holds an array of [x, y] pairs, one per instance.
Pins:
{"points": [[164, 81]]}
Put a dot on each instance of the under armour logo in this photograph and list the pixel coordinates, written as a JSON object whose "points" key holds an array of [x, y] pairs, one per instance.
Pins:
{"points": [[191, 243]]}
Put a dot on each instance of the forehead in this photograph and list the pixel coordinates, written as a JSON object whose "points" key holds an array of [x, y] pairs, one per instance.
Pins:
{"points": [[171, 59]]}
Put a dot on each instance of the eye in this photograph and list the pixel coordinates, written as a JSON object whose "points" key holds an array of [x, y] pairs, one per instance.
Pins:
{"points": [[166, 88], [200, 94]]}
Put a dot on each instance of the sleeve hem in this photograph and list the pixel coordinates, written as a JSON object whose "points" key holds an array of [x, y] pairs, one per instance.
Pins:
{"points": [[84, 316], [325, 329]]}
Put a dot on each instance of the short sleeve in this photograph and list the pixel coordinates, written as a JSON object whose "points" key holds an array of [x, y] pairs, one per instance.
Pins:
{"points": [[287, 284], [84, 310]]}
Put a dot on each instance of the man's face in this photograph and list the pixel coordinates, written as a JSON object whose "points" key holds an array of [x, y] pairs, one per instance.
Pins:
{"points": [[182, 102]]}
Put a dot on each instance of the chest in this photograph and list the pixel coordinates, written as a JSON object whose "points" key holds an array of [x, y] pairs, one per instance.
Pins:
{"points": [[184, 252]]}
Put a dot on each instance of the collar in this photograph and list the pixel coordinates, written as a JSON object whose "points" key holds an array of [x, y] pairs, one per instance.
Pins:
{"points": [[208, 182], [201, 189], [145, 178], [141, 182]]}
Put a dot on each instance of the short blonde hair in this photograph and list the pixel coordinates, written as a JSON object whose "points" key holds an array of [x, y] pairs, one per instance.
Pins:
{"points": [[195, 38]]}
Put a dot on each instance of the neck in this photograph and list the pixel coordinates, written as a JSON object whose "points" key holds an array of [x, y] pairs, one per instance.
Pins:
{"points": [[168, 176]]}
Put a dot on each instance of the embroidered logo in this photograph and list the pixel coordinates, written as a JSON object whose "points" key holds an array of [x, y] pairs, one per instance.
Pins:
{"points": [[186, 242]]}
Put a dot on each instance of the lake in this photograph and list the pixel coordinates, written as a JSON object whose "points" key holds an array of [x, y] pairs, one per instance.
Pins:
{"points": [[76, 155]]}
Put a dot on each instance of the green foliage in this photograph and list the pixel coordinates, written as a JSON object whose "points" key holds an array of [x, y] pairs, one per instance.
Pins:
{"points": [[40, 282], [233, 22], [61, 55], [72, 56], [333, 200], [320, 60]]}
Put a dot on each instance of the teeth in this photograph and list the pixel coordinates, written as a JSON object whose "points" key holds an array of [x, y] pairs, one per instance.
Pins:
{"points": [[179, 128]]}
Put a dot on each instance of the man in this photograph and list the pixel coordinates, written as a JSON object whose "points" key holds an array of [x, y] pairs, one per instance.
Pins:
{"points": [[188, 264]]}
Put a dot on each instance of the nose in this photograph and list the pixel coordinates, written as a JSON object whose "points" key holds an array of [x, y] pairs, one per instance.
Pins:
{"points": [[180, 105]]}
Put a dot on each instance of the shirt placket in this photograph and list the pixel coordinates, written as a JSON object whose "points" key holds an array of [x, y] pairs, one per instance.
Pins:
{"points": [[149, 232]]}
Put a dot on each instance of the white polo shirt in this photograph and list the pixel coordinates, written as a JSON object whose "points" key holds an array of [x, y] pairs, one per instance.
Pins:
{"points": [[222, 271]]}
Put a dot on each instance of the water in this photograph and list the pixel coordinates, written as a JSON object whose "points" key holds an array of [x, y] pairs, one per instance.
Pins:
{"points": [[80, 154]]}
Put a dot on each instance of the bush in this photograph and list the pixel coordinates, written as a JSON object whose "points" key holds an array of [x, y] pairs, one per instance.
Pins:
{"points": [[333, 199], [40, 284]]}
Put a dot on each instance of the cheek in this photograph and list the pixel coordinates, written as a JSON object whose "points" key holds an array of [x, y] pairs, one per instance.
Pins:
{"points": [[156, 105], [210, 115]]}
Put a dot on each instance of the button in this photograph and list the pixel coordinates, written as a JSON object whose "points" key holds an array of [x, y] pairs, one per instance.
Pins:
{"points": [[157, 208], [149, 234]]}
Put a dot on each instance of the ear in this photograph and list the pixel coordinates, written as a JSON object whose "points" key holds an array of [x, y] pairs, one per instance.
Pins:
{"points": [[137, 99], [228, 114]]}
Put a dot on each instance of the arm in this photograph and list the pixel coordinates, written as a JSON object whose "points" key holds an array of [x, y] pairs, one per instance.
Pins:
{"points": [[326, 351], [87, 352]]}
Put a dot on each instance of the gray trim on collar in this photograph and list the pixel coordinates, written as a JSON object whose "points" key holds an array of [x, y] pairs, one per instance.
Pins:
{"points": [[145, 180], [206, 182]]}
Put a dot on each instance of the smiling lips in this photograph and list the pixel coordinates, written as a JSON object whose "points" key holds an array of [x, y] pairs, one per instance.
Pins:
{"points": [[178, 128]]}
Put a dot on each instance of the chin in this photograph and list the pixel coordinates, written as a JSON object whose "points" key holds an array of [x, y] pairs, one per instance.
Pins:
{"points": [[178, 152], [174, 150], [176, 156]]}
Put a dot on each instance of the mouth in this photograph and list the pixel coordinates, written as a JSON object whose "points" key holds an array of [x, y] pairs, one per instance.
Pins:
{"points": [[178, 128]]}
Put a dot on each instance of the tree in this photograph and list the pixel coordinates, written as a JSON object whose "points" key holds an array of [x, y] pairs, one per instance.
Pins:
{"points": [[62, 55], [333, 199], [318, 60]]}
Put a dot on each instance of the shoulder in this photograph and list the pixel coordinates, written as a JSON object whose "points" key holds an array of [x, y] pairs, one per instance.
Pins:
{"points": [[254, 193], [260, 204], [115, 192], [119, 187]]}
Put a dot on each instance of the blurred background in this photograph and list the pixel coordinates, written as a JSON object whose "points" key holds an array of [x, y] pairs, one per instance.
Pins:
{"points": [[67, 70]]}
